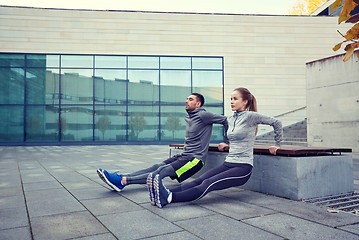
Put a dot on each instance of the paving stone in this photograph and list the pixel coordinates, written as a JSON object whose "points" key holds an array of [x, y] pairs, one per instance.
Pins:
{"points": [[220, 227], [65, 226], [29, 165], [49, 202], [110, 205], [34, 176], [315, 213], [13, 218], [22, 233], [86, 183], [251, 197], [296, 228], [68, 176], [179, 211], [92, 193], [137, 193], [44, 194], [11, 191], [12, 202], [178, 235], [35, 186], [10, 178], [8, 164], [301, 209], [105, 236], [137, 224], [233, 208]]}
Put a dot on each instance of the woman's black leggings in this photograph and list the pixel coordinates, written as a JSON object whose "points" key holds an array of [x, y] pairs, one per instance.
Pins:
{"points": [[224, 176]]}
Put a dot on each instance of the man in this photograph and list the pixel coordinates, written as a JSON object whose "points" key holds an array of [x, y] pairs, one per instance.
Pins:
{"points": [[182, 166]]}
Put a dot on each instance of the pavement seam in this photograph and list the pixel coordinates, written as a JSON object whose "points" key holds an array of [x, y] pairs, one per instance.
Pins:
{"points": [[23, 192]]}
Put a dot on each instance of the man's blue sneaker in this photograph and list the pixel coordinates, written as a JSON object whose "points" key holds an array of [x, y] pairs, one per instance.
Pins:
{"points": [[149, 183], [163, 196], [111, 179]]}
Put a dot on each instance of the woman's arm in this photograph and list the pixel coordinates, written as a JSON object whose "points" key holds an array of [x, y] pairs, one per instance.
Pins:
{"points": [[275, 123]]}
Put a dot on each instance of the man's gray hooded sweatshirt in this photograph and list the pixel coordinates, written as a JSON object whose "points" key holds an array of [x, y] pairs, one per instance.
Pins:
{"points": [[199, 131]]}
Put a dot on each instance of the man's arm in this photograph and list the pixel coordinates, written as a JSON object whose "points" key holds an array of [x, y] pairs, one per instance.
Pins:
{"points": [[211, 118]]}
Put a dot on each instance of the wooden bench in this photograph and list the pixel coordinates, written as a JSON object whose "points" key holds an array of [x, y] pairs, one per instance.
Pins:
{"points": [[296, 172]]}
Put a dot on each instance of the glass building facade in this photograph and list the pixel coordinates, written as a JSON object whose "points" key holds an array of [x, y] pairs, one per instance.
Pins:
{"points": [[89, 99]]}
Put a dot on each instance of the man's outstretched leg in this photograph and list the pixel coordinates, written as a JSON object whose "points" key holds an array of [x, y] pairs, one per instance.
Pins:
{"points": [[118, 181]]}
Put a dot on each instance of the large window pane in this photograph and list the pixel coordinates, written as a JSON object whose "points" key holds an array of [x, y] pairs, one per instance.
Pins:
{"points": [[175, 62], [42, 123], [110, 123], [11, 123], [76, 61], [76, 123], [173, 125], [43, 61], [127, 94], [175, 86], [209, 84], [110, 86], [12, 60], [12, 85], [143, 86], [77, 86], [206, 63], [143, 123], [42, 86], [110, 62], [143, 62]]}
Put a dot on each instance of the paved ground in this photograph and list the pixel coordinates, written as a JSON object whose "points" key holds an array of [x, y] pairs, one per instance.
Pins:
{"points": [[54, 192]]}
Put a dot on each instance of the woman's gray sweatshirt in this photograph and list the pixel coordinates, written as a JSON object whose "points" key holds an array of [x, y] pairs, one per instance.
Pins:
{"points": [[199, 131], [241, 134]]}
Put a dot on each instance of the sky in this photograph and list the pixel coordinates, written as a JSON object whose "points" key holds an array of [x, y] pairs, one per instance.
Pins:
{"points": [[271, 7]]}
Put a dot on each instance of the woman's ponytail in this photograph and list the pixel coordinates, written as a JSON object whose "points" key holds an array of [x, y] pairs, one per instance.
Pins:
{"points": [[252, 103]]}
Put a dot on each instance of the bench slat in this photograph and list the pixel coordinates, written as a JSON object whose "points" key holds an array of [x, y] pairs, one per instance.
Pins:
{"points": [[286, 150]]}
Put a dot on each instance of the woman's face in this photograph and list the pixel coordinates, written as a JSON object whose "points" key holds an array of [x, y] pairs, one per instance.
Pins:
{"points": [[237, 103]]}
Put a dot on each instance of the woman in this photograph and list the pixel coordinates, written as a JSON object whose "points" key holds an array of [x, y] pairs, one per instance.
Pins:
{"points": [[237, 168]]}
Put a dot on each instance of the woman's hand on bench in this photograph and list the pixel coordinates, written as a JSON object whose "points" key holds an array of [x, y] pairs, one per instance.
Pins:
{"points": [[223, 146], [273, 149]]}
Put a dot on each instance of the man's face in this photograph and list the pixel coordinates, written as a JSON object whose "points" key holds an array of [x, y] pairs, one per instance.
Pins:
{"points": [[192, 103]]}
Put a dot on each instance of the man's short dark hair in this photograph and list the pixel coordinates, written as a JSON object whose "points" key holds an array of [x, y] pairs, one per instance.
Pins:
{"points": [[200, 97]]}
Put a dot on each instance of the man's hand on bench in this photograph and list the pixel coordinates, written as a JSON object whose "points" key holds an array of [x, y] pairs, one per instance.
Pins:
{"points": [[273, 149], [223, 147]]}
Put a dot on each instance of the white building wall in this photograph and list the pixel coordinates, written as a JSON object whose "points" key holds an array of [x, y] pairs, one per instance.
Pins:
{"points": [[333, 102], [266, 54]]}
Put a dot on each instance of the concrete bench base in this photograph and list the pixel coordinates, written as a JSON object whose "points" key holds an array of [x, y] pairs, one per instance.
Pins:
{"points": [[302, 177], [294, 177]]}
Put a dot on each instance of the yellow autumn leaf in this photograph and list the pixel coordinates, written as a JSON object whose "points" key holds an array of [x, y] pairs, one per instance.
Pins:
{"points": [[353, 33], [336, 4], [349, 53], [337, 47], [348, 6]]}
